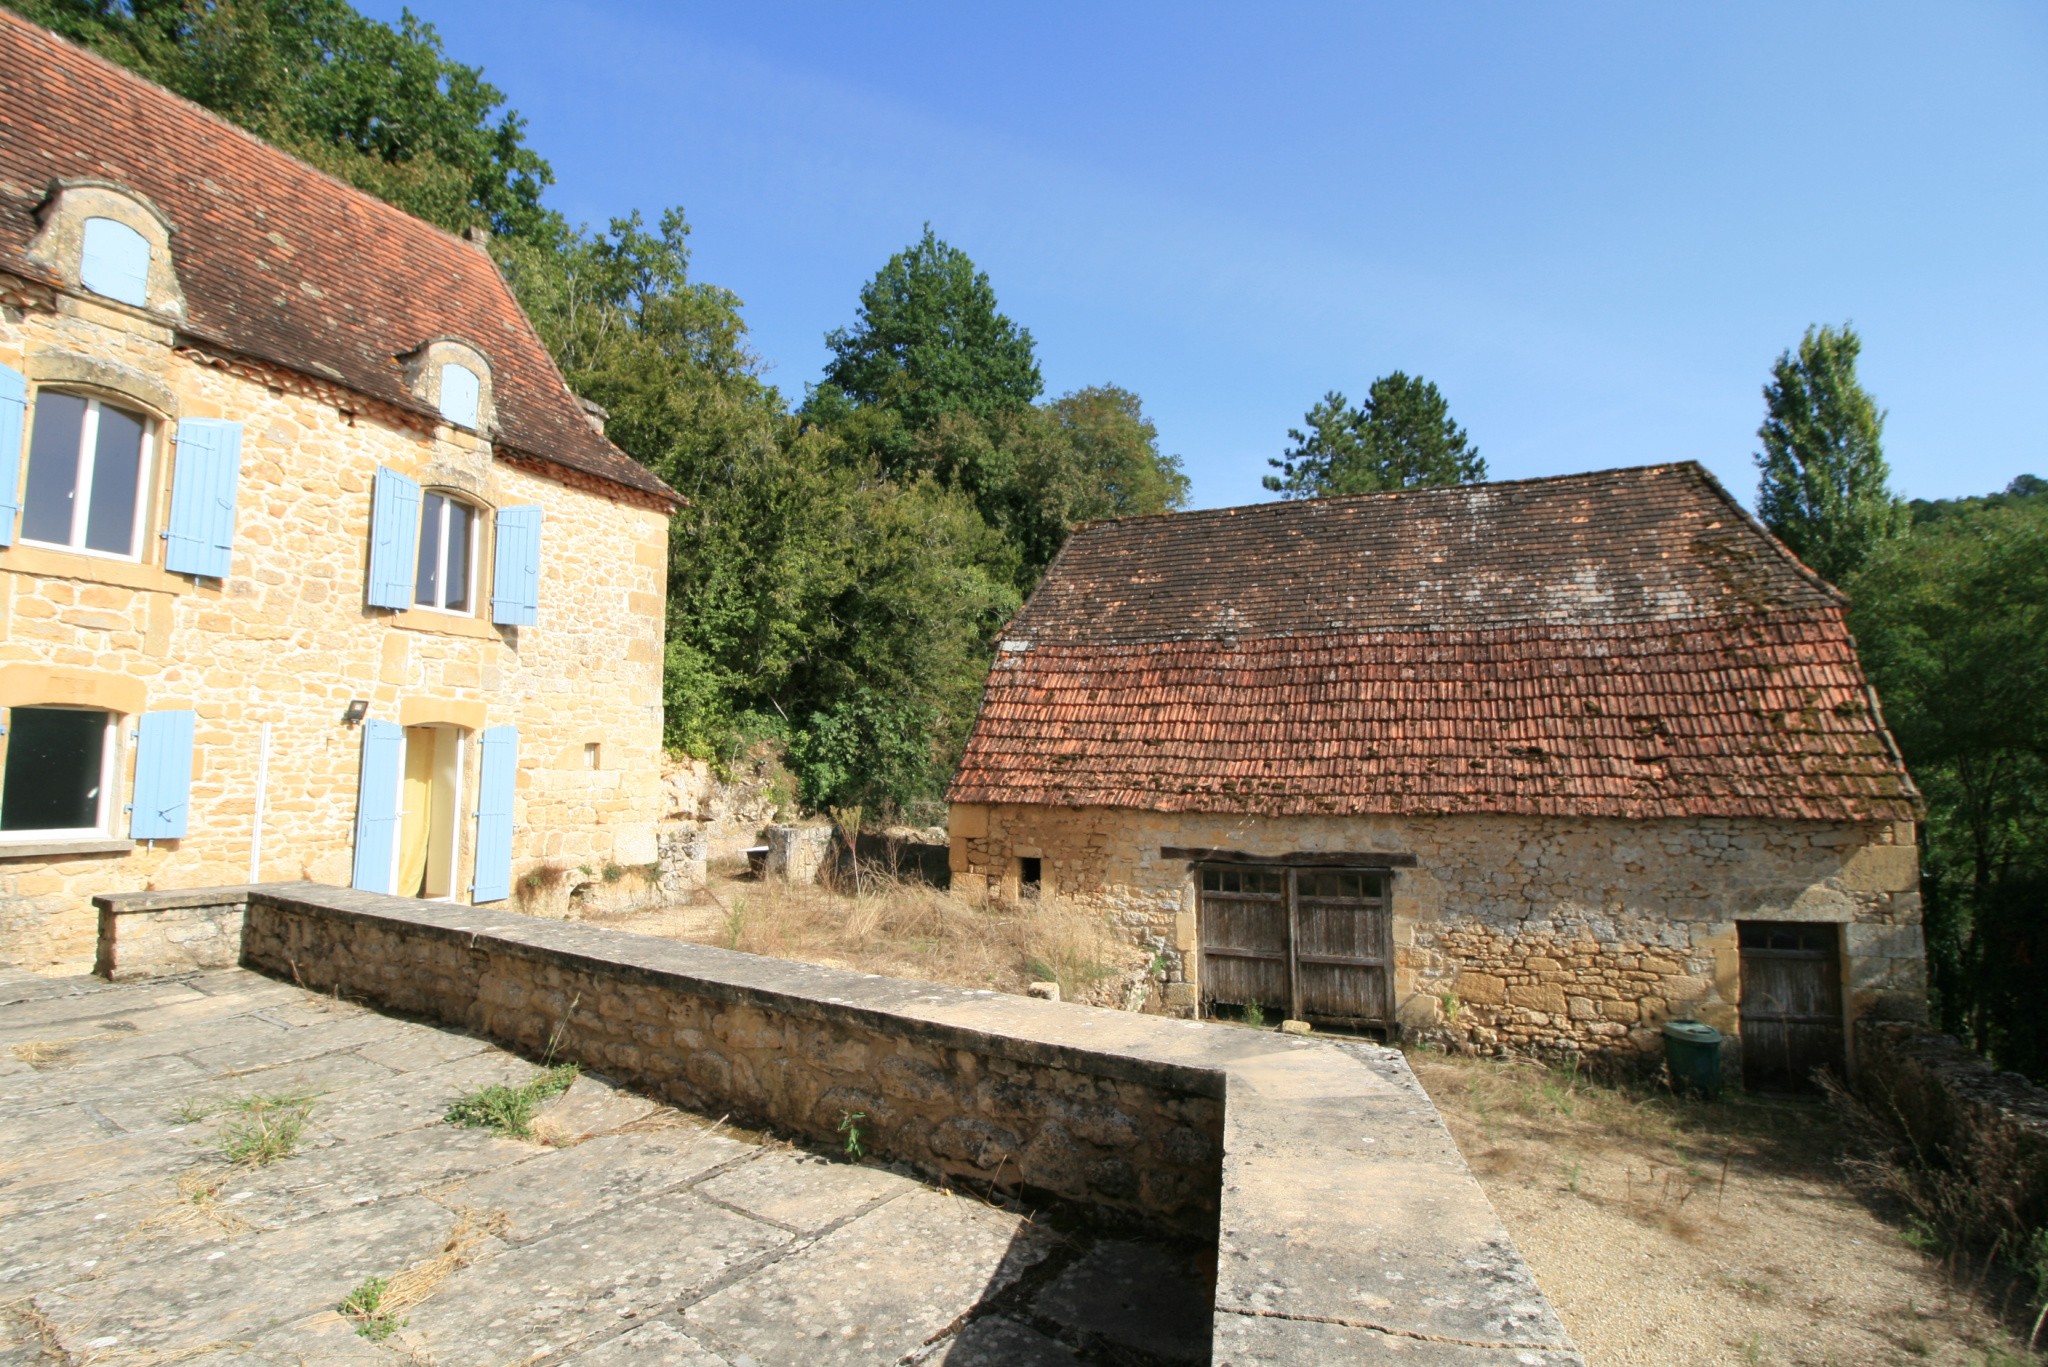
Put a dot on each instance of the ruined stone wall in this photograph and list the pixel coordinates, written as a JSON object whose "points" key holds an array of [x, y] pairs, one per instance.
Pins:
{"points": [[1541, 934], [286, 639]]}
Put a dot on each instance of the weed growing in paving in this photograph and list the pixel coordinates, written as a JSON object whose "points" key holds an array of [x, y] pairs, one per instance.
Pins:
{"points": [[508, 1111], [265, 1128], [849, 1125], [365, 1306]]}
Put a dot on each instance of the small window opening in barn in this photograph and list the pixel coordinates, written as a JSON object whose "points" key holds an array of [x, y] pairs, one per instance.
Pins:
{"points": [[1030, 876], [591, 755]]}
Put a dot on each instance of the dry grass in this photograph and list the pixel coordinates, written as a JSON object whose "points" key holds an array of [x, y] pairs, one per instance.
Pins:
{"points": [[377, 1307], [43, 1055], [908, 930], [1674, 1230]]}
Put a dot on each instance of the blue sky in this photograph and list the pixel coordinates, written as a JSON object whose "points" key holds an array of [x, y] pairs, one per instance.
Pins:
{"points": [[1594, 226]]}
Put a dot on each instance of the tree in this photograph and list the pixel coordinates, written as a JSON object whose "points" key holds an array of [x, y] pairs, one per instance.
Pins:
{"points": [[1402, 438], [1952, 622], [1825, 487], [383, 108], [931, 341]]}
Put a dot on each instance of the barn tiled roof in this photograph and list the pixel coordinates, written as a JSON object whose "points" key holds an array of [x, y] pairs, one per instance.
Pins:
{"points": [[1627, 643], [278, 261]]}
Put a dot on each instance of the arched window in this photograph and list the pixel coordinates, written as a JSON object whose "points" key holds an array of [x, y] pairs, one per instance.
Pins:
{"points": [[445, 579], [459, 390], [88, 464], [115, 261]]}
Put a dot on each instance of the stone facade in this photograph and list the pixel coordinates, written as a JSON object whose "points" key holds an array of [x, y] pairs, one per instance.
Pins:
{"points": [[1540, 934], [284, 642]]}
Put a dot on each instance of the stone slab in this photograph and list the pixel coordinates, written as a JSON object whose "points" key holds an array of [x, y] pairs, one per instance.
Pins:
{"points": [[551, 1295], [591, 1106], [659, 1344], [803, 1192], [1148, 1296], [558, 1186], [854, 1298], [996, 1341]]}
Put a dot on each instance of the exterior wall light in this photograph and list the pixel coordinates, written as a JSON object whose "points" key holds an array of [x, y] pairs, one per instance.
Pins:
{"points": [[358, 708]]}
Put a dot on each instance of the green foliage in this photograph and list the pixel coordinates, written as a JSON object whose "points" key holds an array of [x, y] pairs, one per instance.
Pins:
{"points": [[849, 1125], [1402, 438], [1825, 485], [364, 1306], [1254, 1014], [1952, 621], [264, 1129], [509, 1111], [931, 341], [383, 108]]}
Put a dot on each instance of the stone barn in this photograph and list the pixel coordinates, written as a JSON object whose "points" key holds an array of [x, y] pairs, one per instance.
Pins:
{"points": [[1535, 765]]}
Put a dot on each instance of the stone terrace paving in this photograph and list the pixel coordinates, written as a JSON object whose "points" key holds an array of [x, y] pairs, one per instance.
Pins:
{"points": [[644, 1236]]}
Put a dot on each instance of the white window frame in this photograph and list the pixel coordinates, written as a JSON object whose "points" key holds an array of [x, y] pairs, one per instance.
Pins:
{"points": [[81, 500], [476, 525], [108, 769]]}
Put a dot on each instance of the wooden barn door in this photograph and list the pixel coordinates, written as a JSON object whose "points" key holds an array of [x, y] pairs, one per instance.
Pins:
{"points": [[1312, 944], [1791, 1004]]}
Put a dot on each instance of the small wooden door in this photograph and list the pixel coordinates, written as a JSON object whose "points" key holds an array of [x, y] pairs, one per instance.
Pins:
{"points": [[1791, 1004], [1316, 944]]}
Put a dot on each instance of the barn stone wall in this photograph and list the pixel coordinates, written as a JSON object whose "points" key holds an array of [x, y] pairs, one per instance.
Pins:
{"points": [[1535, 934]]}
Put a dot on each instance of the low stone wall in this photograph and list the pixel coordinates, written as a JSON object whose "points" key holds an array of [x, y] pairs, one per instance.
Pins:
{"points": [[1347, 1226], [149, 934], [1963, 1114]]}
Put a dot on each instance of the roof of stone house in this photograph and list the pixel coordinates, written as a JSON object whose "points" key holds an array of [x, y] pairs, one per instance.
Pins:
{"points": [[1628, 643], [280, 262]]}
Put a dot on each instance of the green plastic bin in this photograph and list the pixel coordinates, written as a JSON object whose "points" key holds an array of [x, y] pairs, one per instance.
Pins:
{"points": [[1693, 1052]]}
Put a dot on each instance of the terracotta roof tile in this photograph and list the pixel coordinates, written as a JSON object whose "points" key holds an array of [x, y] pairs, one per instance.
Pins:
{"points": [[278, 261], [1623, 644]]}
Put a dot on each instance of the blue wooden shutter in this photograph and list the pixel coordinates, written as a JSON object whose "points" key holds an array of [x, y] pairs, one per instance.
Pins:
{"points": [[163, 776], [13, 410], [515, 573], [460, 392], [496, 775], [394, 540], [201, 536], [377, 805], [115, 261]]}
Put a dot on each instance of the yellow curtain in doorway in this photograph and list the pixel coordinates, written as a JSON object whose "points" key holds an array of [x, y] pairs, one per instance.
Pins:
{"points": [[417, 808]]}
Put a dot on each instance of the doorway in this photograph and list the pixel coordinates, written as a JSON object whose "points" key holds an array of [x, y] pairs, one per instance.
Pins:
{"points": [[429, 798], [1315, 943], [1791, 1004]]}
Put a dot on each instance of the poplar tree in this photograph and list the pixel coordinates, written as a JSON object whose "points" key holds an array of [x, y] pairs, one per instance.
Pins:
{"points": [[1825, 489]]}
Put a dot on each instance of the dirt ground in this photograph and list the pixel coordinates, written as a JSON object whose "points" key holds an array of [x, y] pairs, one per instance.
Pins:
{"points": [[1675, 1232], [907, 930]]}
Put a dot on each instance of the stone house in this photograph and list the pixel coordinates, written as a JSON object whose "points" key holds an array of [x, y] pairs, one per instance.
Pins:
{"points": [[1538, 764], [311, 566]]}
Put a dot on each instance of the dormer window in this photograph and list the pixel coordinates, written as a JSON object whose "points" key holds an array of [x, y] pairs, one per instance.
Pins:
{"points": [[115, 261], [459, 393]]}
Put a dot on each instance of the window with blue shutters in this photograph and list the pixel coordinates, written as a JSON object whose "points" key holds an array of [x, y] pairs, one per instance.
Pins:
{"points": [[115, 262], [163, 776], [13, 422], [204, 481], [515, 572], [377, 805], [497, 776], [394, 539]]}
